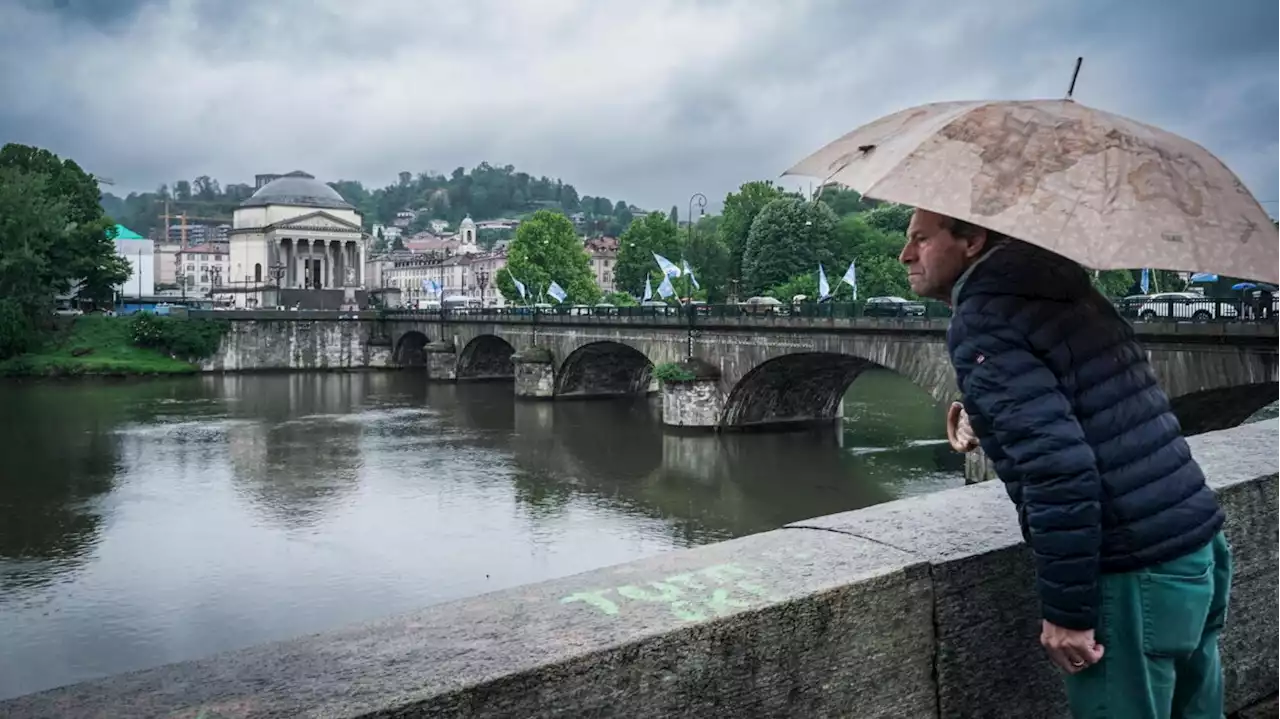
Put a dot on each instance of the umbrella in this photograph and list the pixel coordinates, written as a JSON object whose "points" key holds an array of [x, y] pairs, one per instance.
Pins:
{"points": [[1104, 190]]}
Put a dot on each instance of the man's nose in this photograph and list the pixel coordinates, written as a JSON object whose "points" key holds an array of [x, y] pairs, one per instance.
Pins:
{"points": [[907, 255]]}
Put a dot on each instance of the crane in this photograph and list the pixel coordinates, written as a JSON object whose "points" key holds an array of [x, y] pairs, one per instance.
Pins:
{"points": [[184, 217]]}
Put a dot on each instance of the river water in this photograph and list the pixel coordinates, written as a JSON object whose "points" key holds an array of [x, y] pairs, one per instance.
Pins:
{"points": [[154, 521]]}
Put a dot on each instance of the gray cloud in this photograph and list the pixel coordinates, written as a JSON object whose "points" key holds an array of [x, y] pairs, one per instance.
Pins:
{"points": [[644, 101]]}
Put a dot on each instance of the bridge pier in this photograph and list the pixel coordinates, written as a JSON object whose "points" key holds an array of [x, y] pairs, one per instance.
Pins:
{"points": [[535, 373], [692, 396], [442, 361]]}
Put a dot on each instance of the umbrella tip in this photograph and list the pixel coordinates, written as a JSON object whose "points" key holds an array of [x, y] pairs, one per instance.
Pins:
{"points": [[1071, 89]]}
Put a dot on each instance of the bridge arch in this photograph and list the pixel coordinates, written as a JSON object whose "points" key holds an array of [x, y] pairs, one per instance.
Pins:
{"points": [[410, 350], [604, 369], [486, 357], [793, 388], [1221, 407]]}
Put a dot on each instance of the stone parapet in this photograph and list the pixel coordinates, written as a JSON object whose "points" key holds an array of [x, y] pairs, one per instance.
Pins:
{"points": [[922, 607]]}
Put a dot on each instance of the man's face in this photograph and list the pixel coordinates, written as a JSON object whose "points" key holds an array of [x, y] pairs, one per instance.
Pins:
{"points": [[934, 257]]}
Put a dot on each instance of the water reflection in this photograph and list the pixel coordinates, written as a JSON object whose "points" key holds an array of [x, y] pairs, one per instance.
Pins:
{"points": [[148, 522]]}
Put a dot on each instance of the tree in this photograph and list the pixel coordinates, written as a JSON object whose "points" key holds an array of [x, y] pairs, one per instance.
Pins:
{"points": [[709, 259], [890, 217], [740, 210], [547, 249], [843, 201], [647, 235], [85, 252], [620, 299], [789, 237]]}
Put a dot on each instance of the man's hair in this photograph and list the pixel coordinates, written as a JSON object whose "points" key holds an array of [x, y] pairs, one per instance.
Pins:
{"points": [[964, 230]]}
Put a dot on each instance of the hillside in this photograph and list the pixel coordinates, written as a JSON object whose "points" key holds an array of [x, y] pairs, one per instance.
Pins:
{"points": [[485, 192]]}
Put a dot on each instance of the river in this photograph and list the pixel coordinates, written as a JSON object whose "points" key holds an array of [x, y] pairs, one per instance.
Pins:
{"points": [[146, 522]]}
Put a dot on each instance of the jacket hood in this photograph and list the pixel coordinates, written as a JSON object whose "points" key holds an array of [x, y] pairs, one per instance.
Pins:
{"points": [[1014, 267]]}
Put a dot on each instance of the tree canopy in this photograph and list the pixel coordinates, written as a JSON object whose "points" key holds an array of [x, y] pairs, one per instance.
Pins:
{"points": [[547, 249], [53, 238], [789, 237], [649, 234]]}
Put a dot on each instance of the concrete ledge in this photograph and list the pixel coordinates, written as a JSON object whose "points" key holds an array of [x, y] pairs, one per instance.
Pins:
{"points": [[916, 608]]}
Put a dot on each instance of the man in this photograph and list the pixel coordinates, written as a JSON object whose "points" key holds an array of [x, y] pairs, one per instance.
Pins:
{"points": [[1132, 569]]}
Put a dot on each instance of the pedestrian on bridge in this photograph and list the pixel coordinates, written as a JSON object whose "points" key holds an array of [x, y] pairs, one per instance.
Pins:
{"points": [[1132, 568]]}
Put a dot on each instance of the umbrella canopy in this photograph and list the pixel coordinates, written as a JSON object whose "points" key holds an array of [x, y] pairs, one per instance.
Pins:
{"points": [[1104, 190]]}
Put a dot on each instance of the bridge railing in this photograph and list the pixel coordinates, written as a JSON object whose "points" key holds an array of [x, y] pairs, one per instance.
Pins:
{"points": [[1200, 310]]}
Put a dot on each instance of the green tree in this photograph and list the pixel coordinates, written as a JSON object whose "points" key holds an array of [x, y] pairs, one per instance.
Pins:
{"points": [[789, 237], [646, 235], [889, 217], [1113, 283], [709, 259], [547, 249], [621, 299], [740, 210], [84, 252], [843, 201]]}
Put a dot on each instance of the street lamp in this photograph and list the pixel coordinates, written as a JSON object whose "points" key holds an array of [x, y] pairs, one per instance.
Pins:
{"points": [[482, 279], [701, 199]]}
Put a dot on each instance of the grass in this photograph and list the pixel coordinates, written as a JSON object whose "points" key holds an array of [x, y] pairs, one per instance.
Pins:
{"points": [[105, 347]]}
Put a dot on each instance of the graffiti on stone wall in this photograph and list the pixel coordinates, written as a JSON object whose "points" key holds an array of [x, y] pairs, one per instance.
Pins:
{"points": [[696, 595]]}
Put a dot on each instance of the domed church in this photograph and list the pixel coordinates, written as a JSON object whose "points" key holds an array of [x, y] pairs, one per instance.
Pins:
{"points": [[295, 241]]}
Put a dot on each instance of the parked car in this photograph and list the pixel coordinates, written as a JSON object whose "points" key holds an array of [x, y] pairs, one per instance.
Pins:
{"points": [[1186, 306], [893, 307]]}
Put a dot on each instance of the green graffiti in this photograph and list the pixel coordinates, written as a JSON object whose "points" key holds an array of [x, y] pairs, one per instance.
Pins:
{"points": [[594, 599], [694, 596]]}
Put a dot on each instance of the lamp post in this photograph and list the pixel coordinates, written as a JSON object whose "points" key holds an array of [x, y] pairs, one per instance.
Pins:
{"points": [[482, 279], [277, 271], [701, 199]]}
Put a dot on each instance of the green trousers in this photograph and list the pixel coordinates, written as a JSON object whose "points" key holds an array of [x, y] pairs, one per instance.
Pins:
{"points": [[1159, 629]]}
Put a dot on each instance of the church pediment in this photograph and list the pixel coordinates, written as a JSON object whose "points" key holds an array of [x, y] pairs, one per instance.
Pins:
{"points": [[321, 221]]}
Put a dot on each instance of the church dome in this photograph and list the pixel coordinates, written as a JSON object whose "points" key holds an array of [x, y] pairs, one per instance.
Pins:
{"points": [[467, 222], [300, 189]]}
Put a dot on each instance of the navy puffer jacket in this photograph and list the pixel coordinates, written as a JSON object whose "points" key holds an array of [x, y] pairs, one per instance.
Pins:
{"points": [[1064, 402]]}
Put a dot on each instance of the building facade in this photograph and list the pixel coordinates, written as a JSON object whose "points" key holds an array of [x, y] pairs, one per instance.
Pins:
{"points": [[203, 268], [294, 233], [139, 252], [604, 259]]}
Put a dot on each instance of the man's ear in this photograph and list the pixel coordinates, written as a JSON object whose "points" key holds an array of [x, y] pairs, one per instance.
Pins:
{"points": [[974, 245]]}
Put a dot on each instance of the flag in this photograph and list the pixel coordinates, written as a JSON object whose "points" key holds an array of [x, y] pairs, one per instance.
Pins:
{"points": [[519, 284], [689, 271], [664, 289], [1146, 280], [557, 292], [648, 289], [665, 265], [824, 287], [426, 285], [851, 276]]}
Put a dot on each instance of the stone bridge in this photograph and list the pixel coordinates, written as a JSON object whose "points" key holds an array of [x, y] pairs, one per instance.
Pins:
{"points": [[757, 371]]}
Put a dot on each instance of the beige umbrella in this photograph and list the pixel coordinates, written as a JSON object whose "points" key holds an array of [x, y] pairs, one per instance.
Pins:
{"points": [[1104, 190]]}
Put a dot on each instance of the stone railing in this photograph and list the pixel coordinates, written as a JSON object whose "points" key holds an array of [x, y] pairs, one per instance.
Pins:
{"points": [[922, 607]]}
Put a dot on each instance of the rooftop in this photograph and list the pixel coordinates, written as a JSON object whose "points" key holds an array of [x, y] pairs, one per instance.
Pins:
{"points": [[299, 189]]}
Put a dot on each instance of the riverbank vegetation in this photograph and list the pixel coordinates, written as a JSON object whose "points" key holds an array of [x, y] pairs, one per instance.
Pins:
{"points": [[54, 240], [143, 344]]}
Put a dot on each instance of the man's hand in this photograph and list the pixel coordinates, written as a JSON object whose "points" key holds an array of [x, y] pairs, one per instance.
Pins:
{"points": [[959, 433], [1072, 650]]}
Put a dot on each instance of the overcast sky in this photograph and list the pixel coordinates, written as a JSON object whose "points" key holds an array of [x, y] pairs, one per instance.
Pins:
{"points": [[643, 100]]}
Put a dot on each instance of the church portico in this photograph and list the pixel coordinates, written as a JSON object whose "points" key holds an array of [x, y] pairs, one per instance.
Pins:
{"points": [[295, 234]]}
